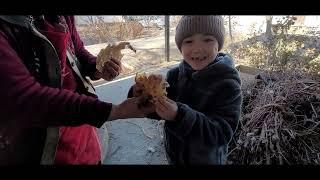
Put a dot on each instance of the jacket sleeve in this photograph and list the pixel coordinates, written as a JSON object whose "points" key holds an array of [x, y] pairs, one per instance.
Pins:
{"points": [[216, 126], [30, 104], [88, 61]]}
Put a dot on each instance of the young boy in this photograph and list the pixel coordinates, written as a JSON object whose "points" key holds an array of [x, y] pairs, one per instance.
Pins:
{"points": [[204, 98]]}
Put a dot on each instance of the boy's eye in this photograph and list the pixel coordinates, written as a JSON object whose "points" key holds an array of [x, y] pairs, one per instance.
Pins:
{"points": [[188, 41], [208, 40]]}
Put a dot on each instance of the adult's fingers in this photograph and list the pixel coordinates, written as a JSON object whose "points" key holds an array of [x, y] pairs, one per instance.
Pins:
{"points": [[110, 72], [113, 65], [116, 61]]}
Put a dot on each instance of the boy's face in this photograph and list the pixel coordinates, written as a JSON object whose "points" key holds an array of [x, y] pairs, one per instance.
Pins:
{"points": [[199, 50]]}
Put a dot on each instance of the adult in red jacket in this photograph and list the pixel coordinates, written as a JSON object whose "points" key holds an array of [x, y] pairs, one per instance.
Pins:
{"points": [[49, 112]]}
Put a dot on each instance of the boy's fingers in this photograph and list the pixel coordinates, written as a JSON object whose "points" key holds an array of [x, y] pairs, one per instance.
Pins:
{"points": [[164, 102], [159, 111], [170, 101], [159, 105]]}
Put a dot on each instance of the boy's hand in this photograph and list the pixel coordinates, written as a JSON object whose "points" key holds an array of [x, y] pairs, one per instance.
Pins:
{"points": [[166, 108]]}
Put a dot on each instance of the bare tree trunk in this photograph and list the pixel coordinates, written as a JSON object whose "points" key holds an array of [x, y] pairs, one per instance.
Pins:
{"points": [[269, 26], [230, 29], [269, 35], [167, 37]]}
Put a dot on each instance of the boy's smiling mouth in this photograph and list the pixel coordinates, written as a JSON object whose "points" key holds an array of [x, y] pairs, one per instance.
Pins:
{"points": [[197, 58]]}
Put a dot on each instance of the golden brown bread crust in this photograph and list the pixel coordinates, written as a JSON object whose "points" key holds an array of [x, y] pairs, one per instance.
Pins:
{"points": [[154, 86], [111, 51]]}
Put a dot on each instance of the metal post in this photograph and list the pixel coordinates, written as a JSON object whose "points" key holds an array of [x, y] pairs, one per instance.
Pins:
{"points": [[167, 34]]}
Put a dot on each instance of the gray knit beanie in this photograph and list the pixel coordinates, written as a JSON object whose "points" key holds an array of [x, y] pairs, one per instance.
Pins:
{"points": [[189, 25]]}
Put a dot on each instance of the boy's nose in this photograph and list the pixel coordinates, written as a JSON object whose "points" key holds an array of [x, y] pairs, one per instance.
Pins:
{"points": [[196, 50]]}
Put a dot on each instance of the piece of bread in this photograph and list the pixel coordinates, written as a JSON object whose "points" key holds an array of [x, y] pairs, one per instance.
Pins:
{"points": [[154, 86], [111, 51]]}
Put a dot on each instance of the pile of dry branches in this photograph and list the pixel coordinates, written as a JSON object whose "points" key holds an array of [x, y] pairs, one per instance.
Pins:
{"points": [[280, 121]]}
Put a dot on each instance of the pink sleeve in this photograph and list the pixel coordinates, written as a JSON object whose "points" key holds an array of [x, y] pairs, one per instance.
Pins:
{"points": [[28, 103]]}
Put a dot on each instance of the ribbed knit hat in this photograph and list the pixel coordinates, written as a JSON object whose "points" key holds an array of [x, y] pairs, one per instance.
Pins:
{"points": [[189, 25]]}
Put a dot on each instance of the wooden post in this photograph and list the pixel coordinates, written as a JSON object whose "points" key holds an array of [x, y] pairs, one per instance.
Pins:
{"points": [[167, 39]]}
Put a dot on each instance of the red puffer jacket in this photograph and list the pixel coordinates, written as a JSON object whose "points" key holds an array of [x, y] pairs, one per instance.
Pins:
{"points": [[80, 144]]}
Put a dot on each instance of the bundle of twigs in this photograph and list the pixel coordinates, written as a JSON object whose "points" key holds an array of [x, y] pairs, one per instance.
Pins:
{"points": [[280, 121]]}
